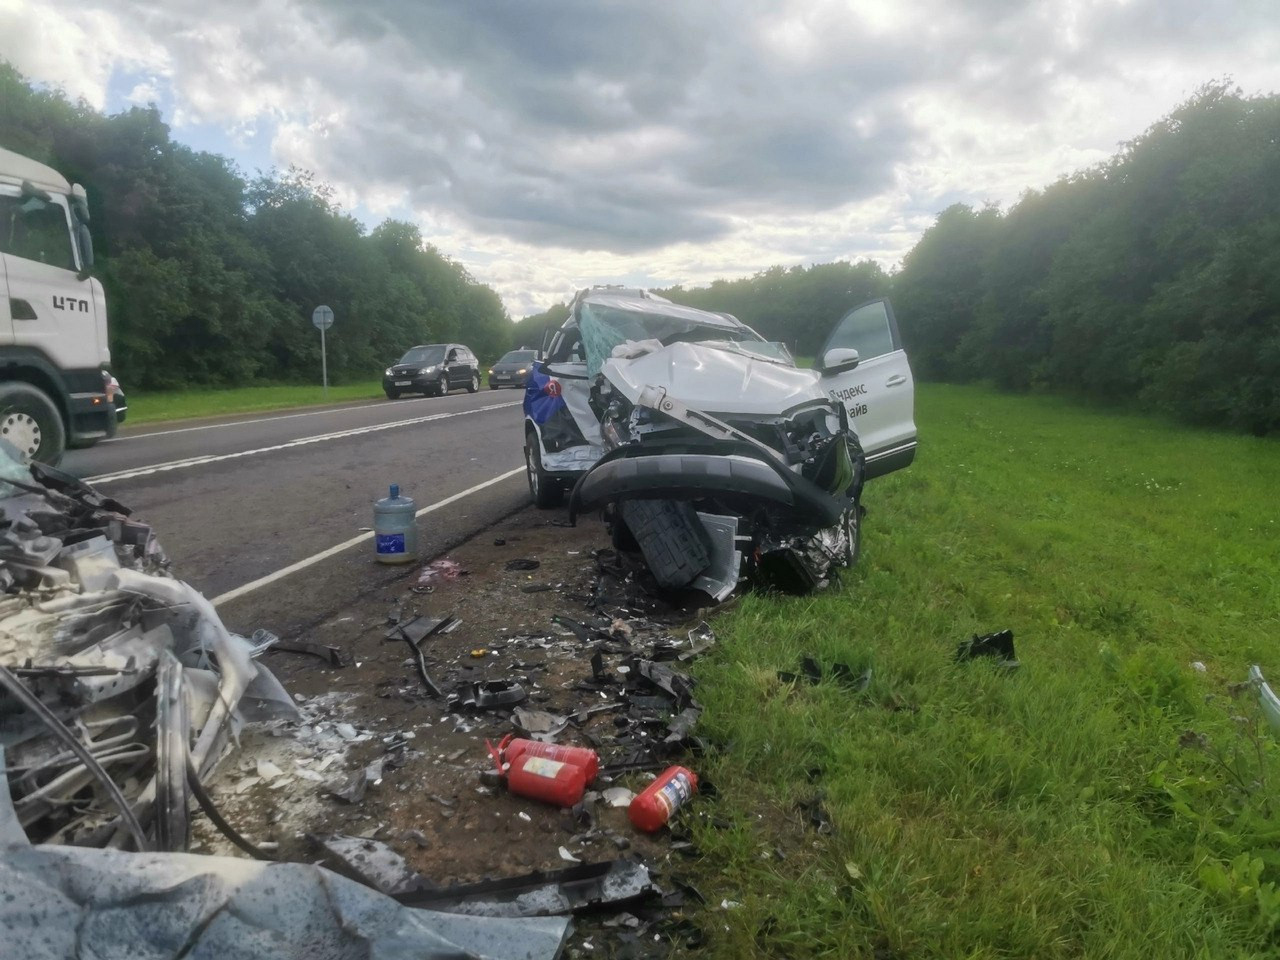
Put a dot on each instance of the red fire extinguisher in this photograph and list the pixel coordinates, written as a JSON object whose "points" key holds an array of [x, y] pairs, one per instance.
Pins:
{"points": [[539, 777], [652, 808], [513, 748]]}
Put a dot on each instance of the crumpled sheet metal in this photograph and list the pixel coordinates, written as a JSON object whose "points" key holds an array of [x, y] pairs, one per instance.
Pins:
{"points": [[58, 902], [85, 628]]}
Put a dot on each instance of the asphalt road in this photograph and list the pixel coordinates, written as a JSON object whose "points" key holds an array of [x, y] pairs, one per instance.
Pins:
{"points": [[237, 500]]}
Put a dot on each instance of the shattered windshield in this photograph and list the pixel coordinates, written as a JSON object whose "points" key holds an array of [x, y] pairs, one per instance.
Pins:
{"points": [[424, 355], [605, 327]]}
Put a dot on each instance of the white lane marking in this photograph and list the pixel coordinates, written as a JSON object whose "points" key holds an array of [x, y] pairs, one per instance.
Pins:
{"points": [[318, 438], [347, 544], [245, 423]]}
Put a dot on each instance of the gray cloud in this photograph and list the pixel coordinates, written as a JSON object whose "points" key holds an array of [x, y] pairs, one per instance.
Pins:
{"points": [[729, 131]]}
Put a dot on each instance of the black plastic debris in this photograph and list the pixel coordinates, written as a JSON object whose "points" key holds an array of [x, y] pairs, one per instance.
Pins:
{"points": [[816, 814], [523, 563], [536, 588], [487, 695], [845, 677], [679, 685], [413, 633], [997, 646], [811, 672], [334, 655], [576, 889]]}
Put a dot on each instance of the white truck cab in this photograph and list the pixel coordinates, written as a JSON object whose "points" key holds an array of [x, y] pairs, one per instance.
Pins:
{"points": [[53, 316]]}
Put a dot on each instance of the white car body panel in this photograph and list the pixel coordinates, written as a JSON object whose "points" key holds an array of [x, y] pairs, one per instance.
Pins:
{"points": [[716, 381]]}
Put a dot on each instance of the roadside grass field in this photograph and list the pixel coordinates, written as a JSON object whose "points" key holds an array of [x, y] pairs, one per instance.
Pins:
{"points": [[187, 404], [1107, 799]]}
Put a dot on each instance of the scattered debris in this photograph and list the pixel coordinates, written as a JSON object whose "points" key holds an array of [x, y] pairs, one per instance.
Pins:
{"points": [[439, 571], [333, 655], [566, 855], [61, 901], [1267, 699], [372, 863], [998, 646], [523, 563], [618, 797], [577, 889], [539, 724], [487, 695], [104, 654]]}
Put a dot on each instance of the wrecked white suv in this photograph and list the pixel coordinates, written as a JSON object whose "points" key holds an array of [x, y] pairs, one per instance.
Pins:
{"points": [[707, 447]]}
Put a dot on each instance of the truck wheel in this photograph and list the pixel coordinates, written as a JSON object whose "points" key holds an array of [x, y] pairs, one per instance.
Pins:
{"points": [[30, 421], [547, 493], [475, 383]]}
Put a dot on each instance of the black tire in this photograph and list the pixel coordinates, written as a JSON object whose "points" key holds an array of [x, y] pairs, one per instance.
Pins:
{"points": [[474, 385], [493, 386], [393, 394], [442, 385], [546, 491], [30, 420]]}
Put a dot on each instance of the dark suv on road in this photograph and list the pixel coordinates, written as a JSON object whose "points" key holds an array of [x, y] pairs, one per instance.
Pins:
{"points": [[432, 369]]}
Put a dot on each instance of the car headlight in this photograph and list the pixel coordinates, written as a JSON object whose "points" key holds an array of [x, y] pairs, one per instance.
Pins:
{"points": [[522, 370], [426, 369], [491, 371], [387, 372]]}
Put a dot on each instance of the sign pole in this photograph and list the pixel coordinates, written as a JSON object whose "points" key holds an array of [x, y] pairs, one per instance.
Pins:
{"points": [[324, 364], [322, 320]]}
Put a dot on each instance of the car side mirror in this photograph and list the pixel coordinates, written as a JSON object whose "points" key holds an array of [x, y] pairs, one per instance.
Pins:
{"points": [[839, 360], [452, 357]]}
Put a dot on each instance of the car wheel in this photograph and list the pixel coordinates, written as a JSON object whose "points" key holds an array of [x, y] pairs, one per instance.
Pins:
{"points": [[442, 387], [546, 492], [30, 421], [393, 394], [475, 383]]}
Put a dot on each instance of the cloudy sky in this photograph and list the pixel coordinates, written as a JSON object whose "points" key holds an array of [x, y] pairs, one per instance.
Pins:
{"points": [[550, 144]]}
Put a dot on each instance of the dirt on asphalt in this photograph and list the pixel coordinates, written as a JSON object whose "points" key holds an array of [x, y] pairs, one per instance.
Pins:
{"points": [[431, 803]]}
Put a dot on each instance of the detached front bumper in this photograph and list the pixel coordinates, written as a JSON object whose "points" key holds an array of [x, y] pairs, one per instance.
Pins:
{"points": [[628, 473]]}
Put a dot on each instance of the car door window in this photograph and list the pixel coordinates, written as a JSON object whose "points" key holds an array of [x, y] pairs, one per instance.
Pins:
{"points": [[870, 329], [568, 347]]}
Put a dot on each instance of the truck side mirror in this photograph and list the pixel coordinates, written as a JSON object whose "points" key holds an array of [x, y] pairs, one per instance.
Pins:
{"points": [[839, 360]]}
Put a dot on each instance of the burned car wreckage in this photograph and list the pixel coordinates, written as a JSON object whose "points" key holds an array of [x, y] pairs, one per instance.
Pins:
{"points": [[705, 445]]}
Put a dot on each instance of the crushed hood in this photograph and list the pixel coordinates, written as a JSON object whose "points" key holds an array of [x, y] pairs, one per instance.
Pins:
{"points": [[714, 380]]}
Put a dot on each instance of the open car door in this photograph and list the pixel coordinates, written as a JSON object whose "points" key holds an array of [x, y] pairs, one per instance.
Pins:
{"points": [[864, 367]]}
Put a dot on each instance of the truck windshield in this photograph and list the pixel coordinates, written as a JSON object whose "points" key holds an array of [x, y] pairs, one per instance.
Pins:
{"points": [[427, 355], [37, 230]]}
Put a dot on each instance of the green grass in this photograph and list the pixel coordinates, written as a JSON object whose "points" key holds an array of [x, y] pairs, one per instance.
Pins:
{"points": [[1106, 800], [185, 404]]}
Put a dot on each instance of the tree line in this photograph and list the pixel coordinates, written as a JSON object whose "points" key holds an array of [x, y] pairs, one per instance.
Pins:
{"points": [[211, 276], [1151, 280]]}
